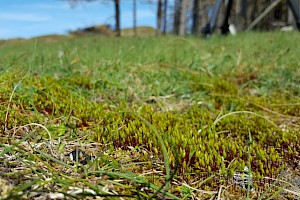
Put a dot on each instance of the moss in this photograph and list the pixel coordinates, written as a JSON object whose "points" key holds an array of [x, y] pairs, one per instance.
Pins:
{"points": [[200, 145], [209, 134]]}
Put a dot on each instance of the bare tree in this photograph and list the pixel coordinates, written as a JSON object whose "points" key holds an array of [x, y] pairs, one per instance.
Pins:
{"points": [[196, 26], [117, 17], [159, 17], [183, 17], [165, 16], [117, 12], [177, 13]]}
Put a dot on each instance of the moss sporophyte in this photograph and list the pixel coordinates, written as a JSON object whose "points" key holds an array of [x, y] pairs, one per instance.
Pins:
{"points": [[207, 119]]}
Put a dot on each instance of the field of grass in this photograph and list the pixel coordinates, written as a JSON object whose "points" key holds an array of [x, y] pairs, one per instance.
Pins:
{"points": [[156, 117]]}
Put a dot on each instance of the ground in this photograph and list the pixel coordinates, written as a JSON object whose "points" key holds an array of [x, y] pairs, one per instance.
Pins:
{"points": [[150, 117]]}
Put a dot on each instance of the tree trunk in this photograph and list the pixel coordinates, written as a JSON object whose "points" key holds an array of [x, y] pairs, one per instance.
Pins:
{"points": [[165, 17], [196, 27], [159, 16], [183, 13], [134, 18], [254, 11], [177, 13], [117, 17]]}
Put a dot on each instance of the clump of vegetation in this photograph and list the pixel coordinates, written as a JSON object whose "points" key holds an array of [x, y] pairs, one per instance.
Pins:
{"points": [[148, 111]]}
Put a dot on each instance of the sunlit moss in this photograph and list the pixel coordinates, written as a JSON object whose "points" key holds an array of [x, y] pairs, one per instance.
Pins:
{"points": [[188, 96]]}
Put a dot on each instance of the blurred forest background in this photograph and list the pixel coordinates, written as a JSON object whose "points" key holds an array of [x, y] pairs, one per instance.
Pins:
{"points": [[189, 17]]}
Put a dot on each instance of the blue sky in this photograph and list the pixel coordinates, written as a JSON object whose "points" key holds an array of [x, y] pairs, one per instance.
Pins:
{"points": [[29, 18]]}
